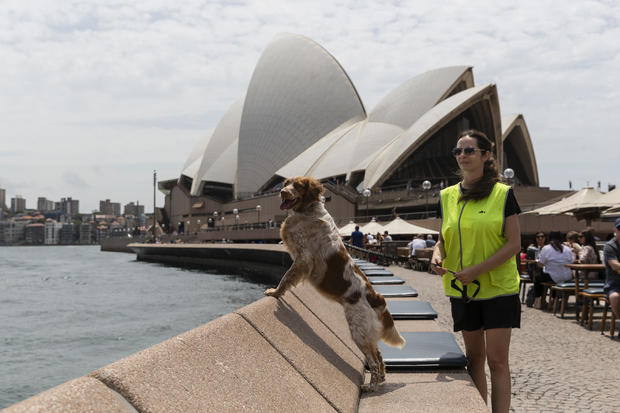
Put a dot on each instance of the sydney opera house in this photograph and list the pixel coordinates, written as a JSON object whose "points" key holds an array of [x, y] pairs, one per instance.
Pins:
{"points": [[302, 115]]}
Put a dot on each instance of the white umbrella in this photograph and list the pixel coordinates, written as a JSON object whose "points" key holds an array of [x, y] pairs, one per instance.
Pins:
{"points": [[346, 230], [583, 204], [401, 227], [584, 198], [372, 227]]}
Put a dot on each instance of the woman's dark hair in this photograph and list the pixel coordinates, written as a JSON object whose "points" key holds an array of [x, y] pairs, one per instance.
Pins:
{"points": [[589, 240], [490, 175], [555, 239], [572, 236]]}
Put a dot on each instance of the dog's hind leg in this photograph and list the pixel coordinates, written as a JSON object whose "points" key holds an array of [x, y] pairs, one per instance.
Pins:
{"points": [[298, 270], [381, 366], [374, 365]]}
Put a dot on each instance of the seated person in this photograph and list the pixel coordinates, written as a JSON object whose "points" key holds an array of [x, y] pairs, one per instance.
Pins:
{"points": [[416, 244], [430, 241], [612, 270], [572, 241], [588, 255], [553, 258], [533, 253], [370, 240]]}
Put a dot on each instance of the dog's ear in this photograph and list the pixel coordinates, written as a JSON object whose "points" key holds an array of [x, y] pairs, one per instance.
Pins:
{"points": [[315, 189]]}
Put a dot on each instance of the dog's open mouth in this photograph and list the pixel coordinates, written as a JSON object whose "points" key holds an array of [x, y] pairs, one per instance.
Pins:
{"points": [[288, 203]]}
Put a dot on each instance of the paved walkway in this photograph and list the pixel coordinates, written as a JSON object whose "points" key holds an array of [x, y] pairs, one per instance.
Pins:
{"points": [[556, 364]]}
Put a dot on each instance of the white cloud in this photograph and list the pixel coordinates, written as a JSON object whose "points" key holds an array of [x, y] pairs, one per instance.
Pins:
{"points": [[131, 87]]}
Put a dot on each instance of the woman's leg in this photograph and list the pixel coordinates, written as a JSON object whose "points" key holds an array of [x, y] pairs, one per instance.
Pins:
{"points": [[540, 278], [498, 345], [476, 357]]}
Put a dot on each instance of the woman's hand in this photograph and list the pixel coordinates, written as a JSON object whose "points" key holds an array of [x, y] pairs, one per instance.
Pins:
{"points": [[467, 276], [436, 265]]}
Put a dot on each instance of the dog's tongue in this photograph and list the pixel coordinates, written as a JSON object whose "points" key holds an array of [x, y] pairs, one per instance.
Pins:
{"points": [[287, 203]]}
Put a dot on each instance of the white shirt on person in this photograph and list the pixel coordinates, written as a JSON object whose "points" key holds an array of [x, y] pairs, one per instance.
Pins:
{"points": [[554, 262], [416, 244]]}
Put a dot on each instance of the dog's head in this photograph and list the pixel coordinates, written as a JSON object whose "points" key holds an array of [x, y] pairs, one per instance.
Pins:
{"points": [[299, 192]]}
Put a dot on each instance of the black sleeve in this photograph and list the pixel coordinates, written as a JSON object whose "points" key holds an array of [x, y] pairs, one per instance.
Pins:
{"points": [[512, 206], [438, 210]]}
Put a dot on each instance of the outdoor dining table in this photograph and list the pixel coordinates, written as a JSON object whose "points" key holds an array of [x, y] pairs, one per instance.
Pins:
{"points": [[583, 267]]}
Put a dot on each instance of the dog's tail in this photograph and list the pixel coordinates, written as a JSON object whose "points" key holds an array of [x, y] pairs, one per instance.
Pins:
{"points": [[391, 335]]}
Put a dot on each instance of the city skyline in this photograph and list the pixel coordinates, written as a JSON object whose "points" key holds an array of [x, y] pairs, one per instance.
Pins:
{"points": [[98, 95]]}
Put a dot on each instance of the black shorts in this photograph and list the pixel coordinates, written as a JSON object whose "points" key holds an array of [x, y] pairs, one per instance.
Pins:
{"points": [[498, 312], [612, 286]]}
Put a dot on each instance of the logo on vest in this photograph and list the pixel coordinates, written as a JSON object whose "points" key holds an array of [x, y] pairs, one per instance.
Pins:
{"points": [[482, 212]]}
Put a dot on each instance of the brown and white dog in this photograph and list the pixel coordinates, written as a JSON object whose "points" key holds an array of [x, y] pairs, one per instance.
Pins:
{"points": [[319, 257]]}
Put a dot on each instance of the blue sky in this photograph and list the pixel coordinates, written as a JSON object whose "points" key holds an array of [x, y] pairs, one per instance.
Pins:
{"points": [[97, 94]]}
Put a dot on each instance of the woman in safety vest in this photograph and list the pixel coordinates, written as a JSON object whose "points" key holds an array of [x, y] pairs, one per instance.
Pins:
{"points": [[475, 254]]}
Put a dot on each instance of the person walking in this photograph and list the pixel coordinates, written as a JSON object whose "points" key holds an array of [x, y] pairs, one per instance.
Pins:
{"points": [[475, 254], [357, 237]]}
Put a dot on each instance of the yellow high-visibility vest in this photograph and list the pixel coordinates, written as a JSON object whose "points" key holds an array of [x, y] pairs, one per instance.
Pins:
{"points": [[472, 232]]}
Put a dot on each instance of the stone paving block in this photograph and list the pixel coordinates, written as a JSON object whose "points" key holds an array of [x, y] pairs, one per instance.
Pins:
{"points": [[318, 354], [424, 392], [222, 366], [84, 394], [330, 312]]}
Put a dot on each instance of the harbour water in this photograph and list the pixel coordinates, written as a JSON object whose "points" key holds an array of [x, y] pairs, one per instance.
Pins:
{"points": [[66, 311]]}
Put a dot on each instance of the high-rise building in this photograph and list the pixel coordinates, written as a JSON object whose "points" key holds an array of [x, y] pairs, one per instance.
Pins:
{"points": [[134, 209], [110, 208], [44, 204], [2, 199], [68, 207], [18, 204]]}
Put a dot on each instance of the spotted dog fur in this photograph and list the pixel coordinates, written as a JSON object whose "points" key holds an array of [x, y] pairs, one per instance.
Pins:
{"points": [[319, 257]]}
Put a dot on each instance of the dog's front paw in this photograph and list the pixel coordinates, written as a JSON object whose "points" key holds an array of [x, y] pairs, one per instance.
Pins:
{"points": [[272, 292]]}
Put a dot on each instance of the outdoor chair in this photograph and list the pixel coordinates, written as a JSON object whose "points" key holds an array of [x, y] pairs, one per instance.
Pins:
{"points": [[612, 320], [421, 260], [588, 296], [524, 280], [566, 289]]}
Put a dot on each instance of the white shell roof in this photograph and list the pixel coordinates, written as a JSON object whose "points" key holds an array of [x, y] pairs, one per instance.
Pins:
{"points": [[392, 154], [341, 153], [298, 94], [511, 122], [301, 115], [193, 161], [219, 160], [408, 102]]}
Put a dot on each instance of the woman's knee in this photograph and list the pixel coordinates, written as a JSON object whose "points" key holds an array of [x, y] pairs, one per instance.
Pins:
{"points": [[497, 363]]}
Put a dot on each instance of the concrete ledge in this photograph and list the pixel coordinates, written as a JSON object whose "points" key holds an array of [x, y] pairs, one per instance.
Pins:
{"points": [[223, 366], [330, 313], [85, 394], [443, 391], [315, 352]]}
